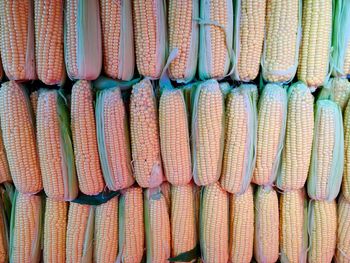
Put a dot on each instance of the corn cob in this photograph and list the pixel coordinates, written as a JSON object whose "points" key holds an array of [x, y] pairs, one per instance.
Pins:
{"points": [[55, 147], [49, 57], [214, 224], [216, 35], [82, 40], [85, 140], [145, 135], [296, 154], [322, 231], [241, 227], [281, 47], [293, 227], [180, 19], [17, 127], [327, 157], [80, 231], [207, 132], [26, 227], [184, 219], [5, 175], [4, 234], [106, 232], [174, 137], [266, 225], [315, 42], [249, 32], [131, 226], [337, 90], [55, 231], [346, 179], [157, 226], [117, 39], [17, 39], [150, 36], [272, 115], [240, 139], [343, 233], [113, 139]]}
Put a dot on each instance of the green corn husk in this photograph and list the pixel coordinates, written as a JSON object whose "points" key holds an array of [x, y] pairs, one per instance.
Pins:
{"points": [[329, 189], [337, 90]]}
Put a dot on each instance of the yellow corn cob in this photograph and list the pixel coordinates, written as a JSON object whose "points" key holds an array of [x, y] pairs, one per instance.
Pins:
{"points": [[240, 139], [346, 178], [117, 39], [174, 137], [293, 226], [298, 139], [85, 140], [184, 219], [343, 233], [216, 34], [113, 139], [323, 231], [208, 132], [272, 114], [48, 15], [150, 36], [145, 135], [19, 138], [26, 227], [82, 39], [55, 231], [157, 226], [266, 225], [249, 34], [347, 60], [241, 227], [34, 96], [214, 224], [315, 42], [106, 232], [80, 230], [338, 90], [131, 226], [280, 55], [17, 39], [180, 19]]}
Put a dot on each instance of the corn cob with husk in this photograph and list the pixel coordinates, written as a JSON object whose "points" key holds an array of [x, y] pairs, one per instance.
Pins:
{"points": [[293, 227], [131, 226], [144, 131], [17, 39], [266, 240], [207, 132], [322, 231], [157, 226], [315, 47], [216, 35], [343, 234], [26, 226], [150, 36], [17, 127], [296, 154], [85, 140], [272, 115], [82, 39], [214, 224], [183, 35], [79, 240], [337, 90], [346, 179], [327, 157], [49, 56], [241, 227], [55, 147], [55, 226], [174, 137], [106, 232], [117, 39], [249, 32], [113, 139], [240, 139]]}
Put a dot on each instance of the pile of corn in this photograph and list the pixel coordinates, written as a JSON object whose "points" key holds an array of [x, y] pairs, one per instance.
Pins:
{"points": [[175, 131]]}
